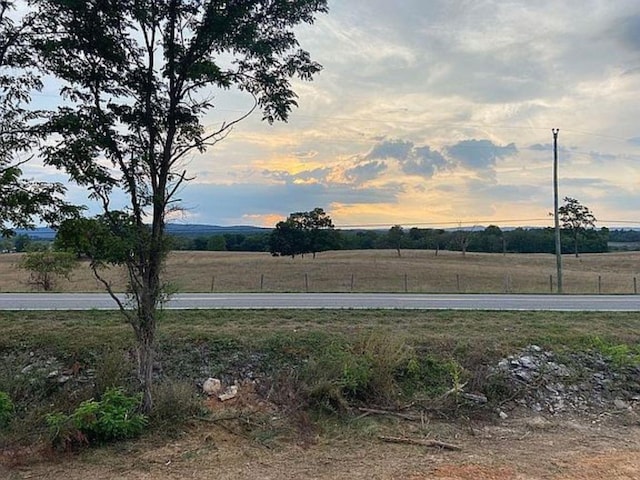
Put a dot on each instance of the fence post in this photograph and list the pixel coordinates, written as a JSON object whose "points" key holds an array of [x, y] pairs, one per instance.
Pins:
{"points": [[635, 285], [458, 281], [352, 280], [406, 283], [599, 284], [306, 282], [261, 281], [213, 282], [551, 283]]}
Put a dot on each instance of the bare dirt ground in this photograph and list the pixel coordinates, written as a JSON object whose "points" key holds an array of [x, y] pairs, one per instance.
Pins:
{"points": [[528, 447]]}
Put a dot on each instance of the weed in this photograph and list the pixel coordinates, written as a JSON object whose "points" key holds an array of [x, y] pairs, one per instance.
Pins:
{"points": [[6, 409], [497, 388], [114, 417], [367, 370], [386, 355], [620, 354], [174, 402], [112, 369]]}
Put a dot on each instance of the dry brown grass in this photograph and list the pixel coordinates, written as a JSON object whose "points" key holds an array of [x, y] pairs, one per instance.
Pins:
{"points": [[371, 271]]}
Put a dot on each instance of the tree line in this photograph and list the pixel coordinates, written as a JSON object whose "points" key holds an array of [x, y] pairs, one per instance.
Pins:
{"points": [[491, 239], [313, 231]]}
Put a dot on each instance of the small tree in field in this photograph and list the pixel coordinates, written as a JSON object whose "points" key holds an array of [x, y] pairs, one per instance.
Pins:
{"points": [[576, 219], [395, 236], [138, 77], [47, 266]]}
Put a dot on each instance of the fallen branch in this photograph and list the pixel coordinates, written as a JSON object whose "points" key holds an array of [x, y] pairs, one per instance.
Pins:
{"points": [[418, 441]]}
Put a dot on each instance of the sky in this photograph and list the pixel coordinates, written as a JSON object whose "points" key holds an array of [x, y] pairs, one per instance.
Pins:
{"points": [[435, 113]]}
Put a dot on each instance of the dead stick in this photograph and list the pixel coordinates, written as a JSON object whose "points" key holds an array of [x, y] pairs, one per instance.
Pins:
{"points": [[424, 443]]}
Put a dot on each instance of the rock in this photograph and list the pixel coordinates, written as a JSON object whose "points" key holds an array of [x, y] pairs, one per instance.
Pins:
{"points": [[538, 422], [64, 378], [229, 393], [212, 386], [53, 374], [528, 362], [503, 415], [524, 375], [620, 404], [475, 397], [26, 369]]}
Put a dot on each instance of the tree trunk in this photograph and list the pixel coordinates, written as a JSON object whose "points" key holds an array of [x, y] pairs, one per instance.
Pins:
{"points": [[145, 368], [147, 288], [145, 334]]}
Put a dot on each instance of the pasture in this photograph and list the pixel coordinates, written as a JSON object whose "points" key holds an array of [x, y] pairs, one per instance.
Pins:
{"points": [[416, 271]]}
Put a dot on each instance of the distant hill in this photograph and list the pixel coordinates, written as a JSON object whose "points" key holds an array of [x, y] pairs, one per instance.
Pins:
{"points": [[175, 229], [196, 230]]}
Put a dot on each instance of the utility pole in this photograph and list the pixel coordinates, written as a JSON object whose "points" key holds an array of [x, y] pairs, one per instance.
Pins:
{"points": [[555, 132]]}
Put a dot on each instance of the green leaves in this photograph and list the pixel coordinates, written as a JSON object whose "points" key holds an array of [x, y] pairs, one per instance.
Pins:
{"points": [[304, 232], [21, 200], [107, 239], [114, 417], [6, 409], [46, 266]]}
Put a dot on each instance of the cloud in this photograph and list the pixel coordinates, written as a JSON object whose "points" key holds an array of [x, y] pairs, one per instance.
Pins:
{"points": [[538, 147], [413, 160], [365, 171], [317, 175], [586, 183], [628, 32], [229, 204], [398, 149], [423, 162], [480, 154], [634, 141], [602, 157], [305, 155]]}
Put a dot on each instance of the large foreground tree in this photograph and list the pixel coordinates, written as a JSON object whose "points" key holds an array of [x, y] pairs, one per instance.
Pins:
{"points": [[138, 76], [21, 200]]}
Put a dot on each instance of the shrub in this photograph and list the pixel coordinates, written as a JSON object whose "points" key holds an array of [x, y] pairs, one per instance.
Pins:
{"points": [[114, 417], [174, 402], [47, 266], [388, 356], [6, 409], [112, 369], [366, 371]]}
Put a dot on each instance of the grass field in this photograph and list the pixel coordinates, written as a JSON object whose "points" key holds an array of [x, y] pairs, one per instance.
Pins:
{"points": [[419, 271], [77, 334]]}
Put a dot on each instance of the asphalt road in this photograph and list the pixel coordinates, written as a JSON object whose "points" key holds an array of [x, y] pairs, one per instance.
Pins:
{"points": [[89, 301]]}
